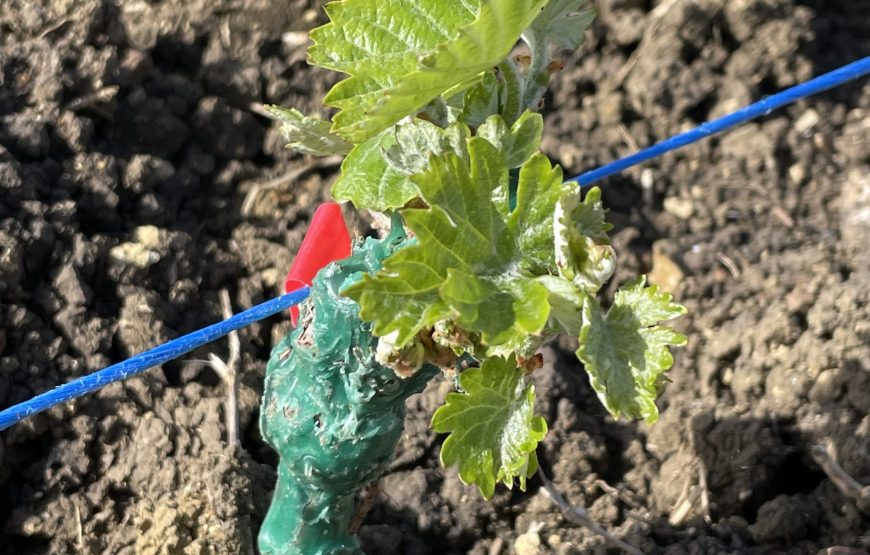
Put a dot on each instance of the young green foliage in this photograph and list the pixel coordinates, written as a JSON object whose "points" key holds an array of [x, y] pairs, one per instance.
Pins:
{"points": [[583, 251], [402, 54], [438, 122], [626, 350], [376, 174], [492, 427], [473, 254], [562, 24], [583, 256], [368, 180], [517, 143], [306, 134]]}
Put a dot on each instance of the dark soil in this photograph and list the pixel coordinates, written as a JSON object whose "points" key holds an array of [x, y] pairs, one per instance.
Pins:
{"points": [[137, 180]]}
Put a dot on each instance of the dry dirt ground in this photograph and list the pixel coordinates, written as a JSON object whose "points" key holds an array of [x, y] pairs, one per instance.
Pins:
{"points": [[136, 182]]}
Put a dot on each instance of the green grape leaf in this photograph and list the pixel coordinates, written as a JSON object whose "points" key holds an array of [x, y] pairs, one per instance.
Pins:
{"points": [[518, 143], [417, 140], [308, 135], [443, 112], [471, 259], [538, 191], [368, 181], [562, 23], [503, 310], [513, 90], [566, 303], [492, 426], [481, 100], [626, 352], [400, 55], [583, 251]]}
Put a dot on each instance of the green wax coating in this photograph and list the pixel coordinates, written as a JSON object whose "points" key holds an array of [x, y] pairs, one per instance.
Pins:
{"points": [[332, 413]]}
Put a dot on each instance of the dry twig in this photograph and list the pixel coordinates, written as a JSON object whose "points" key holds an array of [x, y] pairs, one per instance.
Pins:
{"points": [[850, 487], [228, 371], [94, 100], [726, 261], [629, 140], [369, 496], [657, 16], [619, 493], [683, 506], [285, 180], [579, 515], [80, 542], [705, 492]]}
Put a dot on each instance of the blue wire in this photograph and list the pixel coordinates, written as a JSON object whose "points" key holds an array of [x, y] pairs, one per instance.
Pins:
{"points": [[819, 84], [148, 359], [191, 341]]}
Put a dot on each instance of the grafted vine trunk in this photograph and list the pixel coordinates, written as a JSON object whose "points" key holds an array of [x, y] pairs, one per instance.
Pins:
{"points": [[333, 414]]}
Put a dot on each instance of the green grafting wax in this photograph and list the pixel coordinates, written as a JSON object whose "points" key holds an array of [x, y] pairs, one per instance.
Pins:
{"points": [[333, 414]]}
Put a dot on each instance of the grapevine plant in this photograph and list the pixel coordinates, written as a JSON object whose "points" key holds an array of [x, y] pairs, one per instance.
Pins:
{"points": [[489, 256]]}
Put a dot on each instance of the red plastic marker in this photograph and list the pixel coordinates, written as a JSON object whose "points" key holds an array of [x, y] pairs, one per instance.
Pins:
{"points": [[326, 240]]}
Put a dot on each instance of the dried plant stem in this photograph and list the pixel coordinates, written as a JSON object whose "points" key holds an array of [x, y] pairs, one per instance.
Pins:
{"points": [[579, 515], [848, 485], [657, 16], [285, 180], [228, 371]]}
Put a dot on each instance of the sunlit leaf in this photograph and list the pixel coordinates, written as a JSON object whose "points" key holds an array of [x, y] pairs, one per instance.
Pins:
{"points": [[626, 351], [492, 426]]}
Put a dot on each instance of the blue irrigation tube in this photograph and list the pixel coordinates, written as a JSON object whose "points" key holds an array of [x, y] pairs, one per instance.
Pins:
{"points": [[148, 359], [763, 107], [191, 341]]}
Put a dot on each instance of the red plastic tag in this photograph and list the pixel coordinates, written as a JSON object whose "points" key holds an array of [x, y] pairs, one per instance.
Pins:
{"points": [[326, 240]]}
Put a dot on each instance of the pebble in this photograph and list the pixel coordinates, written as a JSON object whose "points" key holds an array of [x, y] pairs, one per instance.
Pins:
{"points": [[142, 251], [827, 387], [679, 207], [271, 277], [807, 121], [144, 172], [135, 254], [797, 173], [148, 236], [665, 272], [135, 66], [528, 544]]}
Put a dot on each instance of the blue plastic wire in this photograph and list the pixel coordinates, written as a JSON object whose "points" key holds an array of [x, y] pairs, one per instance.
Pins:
{"points": [[148, 359], [191, 341], [763, 107]]}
